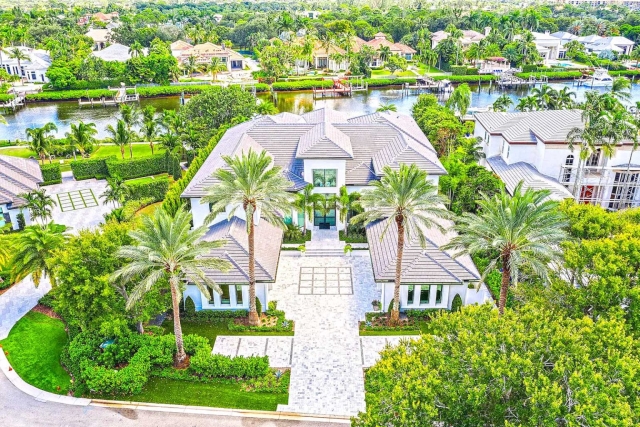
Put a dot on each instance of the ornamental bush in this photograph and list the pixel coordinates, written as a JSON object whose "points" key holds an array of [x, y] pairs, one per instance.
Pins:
{"points": [[51, 173], [90, 168], [209, 365], [155, 189], [301, 85], [137, 167], [557, 75]]}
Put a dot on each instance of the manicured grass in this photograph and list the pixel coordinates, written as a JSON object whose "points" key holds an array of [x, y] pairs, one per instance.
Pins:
{"points": [[221, 393], [146, 179], [139, 150], [34, 346], [211, 330], [23, 152], [149, 210]]}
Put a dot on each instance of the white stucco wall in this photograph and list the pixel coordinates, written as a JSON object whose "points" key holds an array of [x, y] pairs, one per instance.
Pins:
{"points": [[13, 215], [202, 303]]}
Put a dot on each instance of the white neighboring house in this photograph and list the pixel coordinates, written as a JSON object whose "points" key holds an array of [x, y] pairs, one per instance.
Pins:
{"points": [[115, 52], [564, 37], [469, 37], [330, 150], [532, 147], [100, 37], [17, 176], [33, 70], [548, 46], [596, 44]]}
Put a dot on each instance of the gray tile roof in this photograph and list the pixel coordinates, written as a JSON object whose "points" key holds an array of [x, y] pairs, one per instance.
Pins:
{"points": [[512, 174], [17, 176], [236, 250], [548, 126], [366, 143], [419, 265]]}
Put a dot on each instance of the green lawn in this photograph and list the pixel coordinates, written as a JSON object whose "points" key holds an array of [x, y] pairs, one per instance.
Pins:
{"points": [[221, 393], [146, 179], [139, 150], [211, 330], [149, 210], [34, 346]]}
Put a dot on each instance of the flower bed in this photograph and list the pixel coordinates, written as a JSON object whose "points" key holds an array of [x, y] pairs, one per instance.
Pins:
{"points": [[271, 321], [380, 322]]}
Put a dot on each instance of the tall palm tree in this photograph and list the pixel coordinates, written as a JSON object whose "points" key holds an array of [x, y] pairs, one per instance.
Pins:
{"points": [[32, 250], [620, 88], [503, 103], [527, 103], [216, 66], [116, 191], [384, 52], [460, 100], [40, 205], [519, 231], [82, 136], [167, 248], [120, 135], [345, 203], [253, 184], [387, 107], [408, 203], [544, 96], [40, 140], [305, 203], [136, 49], [170, 141], [564, 98], [131, 116], [19, 56], [150, 125]]}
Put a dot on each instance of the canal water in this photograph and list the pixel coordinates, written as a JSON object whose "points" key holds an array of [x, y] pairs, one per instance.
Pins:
{"points": [[65, 113]]}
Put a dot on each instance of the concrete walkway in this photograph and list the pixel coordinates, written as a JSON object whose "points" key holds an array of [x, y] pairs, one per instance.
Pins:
{"points": [[18, 300]]}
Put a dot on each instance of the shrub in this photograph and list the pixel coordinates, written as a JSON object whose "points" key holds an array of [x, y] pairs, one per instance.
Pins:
{"points": [[21, 221], [209, 365], [273, 305], [467, 79], [90, 168], [258, 305], [189, 306], [389, 82], [456, 304], [301, 85], [274, 382], [51, 174], [560, 75], [154, 189], [6, 97], [425, 314], [137, 167], [132, 206], [213, 315]]}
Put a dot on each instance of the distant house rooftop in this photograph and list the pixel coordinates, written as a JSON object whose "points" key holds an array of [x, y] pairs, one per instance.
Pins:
{"points": [[115, 52], [17, 176]]}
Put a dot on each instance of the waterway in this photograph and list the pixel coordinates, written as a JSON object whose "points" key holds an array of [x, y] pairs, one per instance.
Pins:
{"points": [[65, 113]]}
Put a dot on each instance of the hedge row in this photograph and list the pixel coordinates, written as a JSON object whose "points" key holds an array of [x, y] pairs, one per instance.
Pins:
{"points": [[467, 79], [209, 365], [302, 85], [389, 82], [5, 97], [155, 189], [463, 70], [558, 75], [626, 73], [51, 173], [137, 167], [90, 168]]}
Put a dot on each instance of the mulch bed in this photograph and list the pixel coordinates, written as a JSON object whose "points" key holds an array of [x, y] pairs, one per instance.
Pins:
{"points": [[264, 321], [46, 311]]}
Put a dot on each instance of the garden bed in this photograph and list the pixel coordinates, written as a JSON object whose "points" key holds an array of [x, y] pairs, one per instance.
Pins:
{"points": [[412, 322]]}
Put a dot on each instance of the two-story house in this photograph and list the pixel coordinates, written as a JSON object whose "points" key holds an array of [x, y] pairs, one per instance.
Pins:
{"points": [[533, 147], [330, 150]]}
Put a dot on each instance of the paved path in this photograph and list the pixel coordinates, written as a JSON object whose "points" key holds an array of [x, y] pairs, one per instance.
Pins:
{"points": [[326, 363], [18, 300], [72, 210], [277, 348]]}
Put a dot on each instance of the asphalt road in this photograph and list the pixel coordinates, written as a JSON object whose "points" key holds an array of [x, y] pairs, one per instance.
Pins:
{"points": [[18, 409]]}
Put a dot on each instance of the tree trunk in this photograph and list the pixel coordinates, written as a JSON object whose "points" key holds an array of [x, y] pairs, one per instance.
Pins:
{"points": [[181, 356], [122, 151], [130, 151], [254, 319], [395, 312], [504, 286], [139, 327]]}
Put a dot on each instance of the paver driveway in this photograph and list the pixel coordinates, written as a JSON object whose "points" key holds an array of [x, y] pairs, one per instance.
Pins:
{"points": [[326, 363], [78, 203]]}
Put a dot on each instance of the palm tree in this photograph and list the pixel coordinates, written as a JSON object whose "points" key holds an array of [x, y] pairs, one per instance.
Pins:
{"points": [[116, 191], [345, 203], [544, 96], [170, 141], [40, 140], [387, 107], [19, 56], [527, 103], [32, 250], [131, 116], [384, 52], [120, 135], [150, 125], [408, 202], [519, 231], [215, 66], [166, 248], [253, 185], [40, 205], [620, 88], [82, 136], [267, 108], [460, 100], [564, 98], [191, 65], [136, 49], [503, 103], [305, 203]]}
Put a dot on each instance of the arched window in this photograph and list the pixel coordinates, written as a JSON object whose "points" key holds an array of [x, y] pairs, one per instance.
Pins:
{"points": [[568, 169], [569, 161]]}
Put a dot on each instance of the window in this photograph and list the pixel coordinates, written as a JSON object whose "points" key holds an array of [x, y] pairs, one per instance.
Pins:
{"points": [[325, 177], [566, 175], [411, 294], [225, 296], [438, 294], [424, 294], [508, 149], [238, 295], [594, 158]]}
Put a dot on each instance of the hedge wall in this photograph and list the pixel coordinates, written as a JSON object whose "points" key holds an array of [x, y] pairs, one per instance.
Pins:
{"points": [[51, 173], [559, 75], [155, 189], [137, 167], [301, 85], [626, 73], [90, 168], [467, 79], [4, 97], [389, 82]]}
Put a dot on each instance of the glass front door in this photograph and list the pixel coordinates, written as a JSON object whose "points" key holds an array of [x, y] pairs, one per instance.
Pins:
{"points": [[324, 214]]}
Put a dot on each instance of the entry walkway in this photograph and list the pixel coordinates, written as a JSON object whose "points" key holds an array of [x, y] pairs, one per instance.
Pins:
{"points": [[18, 301]]}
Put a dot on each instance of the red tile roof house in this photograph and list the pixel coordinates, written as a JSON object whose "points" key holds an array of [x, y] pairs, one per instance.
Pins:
{"points": [[17, 176], [330, 149], [380, 40]]}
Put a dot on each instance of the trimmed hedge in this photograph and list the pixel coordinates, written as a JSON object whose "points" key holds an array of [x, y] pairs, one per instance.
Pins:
{"points": [[467, 79], [625, 73], [90, 168], [558, 75], [51, 174], [463, 70], [137, 167], [155, 189], [389, 82], [209, 365], [5, 97], [301, 85]]}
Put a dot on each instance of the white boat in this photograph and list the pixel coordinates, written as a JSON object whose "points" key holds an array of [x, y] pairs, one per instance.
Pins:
{"points": [[600, 78]]}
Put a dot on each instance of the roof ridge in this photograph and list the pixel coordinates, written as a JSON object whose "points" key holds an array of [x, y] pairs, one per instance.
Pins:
{"points": [[424, 252], [451, 257]]}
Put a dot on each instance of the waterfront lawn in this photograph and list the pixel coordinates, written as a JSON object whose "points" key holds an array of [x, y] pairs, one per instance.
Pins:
{"points": [[34, 346], [139, 150], [210, 330], [220, 393]]}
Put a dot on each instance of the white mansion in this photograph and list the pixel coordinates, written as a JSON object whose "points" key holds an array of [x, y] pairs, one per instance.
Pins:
{"points": [[331, 150], [532, 147]]}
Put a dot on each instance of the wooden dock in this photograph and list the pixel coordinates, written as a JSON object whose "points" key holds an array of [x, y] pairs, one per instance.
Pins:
{"points": [[120, 97], [427, 84], [14, 104], [344, 86]]}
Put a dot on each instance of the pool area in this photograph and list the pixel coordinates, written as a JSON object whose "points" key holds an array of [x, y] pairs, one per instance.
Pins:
{"points": [[565, 64]]}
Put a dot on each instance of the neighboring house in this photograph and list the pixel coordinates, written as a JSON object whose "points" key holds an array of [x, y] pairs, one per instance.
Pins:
{"points": [[617, 44], [33, 69], [532, 147], [105, 18], [564, 37], [330, 150], [205, 52], [469, 37], [400, 49], [217, 17], [311, 14], [17, 176], [100, 37], [549, 47], [332, 58], [115, 52]]}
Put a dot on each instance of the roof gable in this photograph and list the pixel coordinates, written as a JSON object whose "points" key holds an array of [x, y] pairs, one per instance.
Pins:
{"points": [[322, 141]]}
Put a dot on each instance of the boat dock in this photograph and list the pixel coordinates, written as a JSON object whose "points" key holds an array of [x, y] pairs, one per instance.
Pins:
{"points": [[14, 104], [344, 86], [427, 84], [120, 97]]}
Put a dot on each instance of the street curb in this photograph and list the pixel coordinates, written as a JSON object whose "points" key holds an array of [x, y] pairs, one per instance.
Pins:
{"points": [[45, 396]]}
